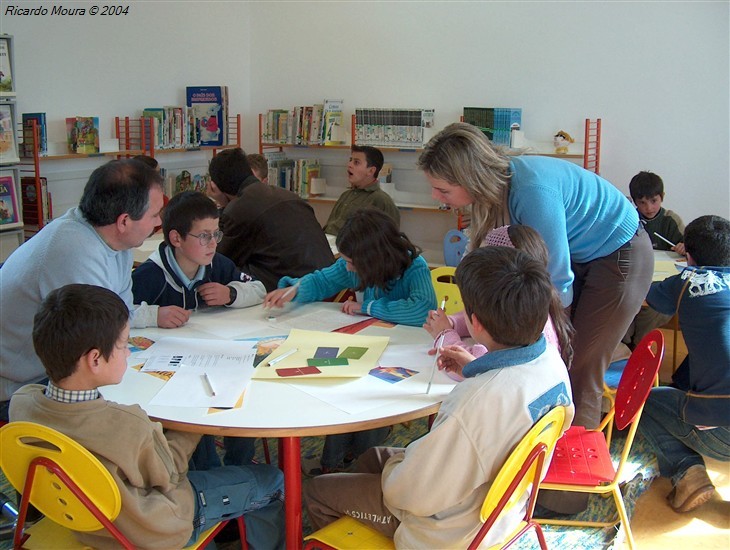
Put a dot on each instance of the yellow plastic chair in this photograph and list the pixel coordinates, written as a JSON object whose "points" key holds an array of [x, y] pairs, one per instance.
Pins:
{"points": [[582, 460], [520, 473], [68, 485], [446, 289]]}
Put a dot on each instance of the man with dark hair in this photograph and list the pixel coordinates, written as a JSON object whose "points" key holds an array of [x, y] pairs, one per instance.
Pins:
{"points": [[119, 209], [365, 192], [691, 417], [268, 231]]}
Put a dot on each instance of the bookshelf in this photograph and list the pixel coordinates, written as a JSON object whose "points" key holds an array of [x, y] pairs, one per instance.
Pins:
{"points": [[422, 219], [11, 209]]}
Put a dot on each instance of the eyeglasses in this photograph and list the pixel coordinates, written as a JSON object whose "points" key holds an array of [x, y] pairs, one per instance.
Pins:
{"points": [[205, 238]]}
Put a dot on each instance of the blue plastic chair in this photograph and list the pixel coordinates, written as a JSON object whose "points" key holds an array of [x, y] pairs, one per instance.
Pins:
{"points": [[454, 247]]}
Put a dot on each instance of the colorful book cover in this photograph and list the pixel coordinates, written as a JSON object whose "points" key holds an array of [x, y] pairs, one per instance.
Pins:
{"points": [[30, 197], [82, 134], [7, 87], [8, 199], [333, 126], [210, 109], [42, 142], [8, 144]]}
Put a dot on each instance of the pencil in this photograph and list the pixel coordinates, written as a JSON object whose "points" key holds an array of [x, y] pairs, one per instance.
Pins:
{"points": [[443, 305], [208, 383], [670, 243], [290, 290], [435, 362], [283, 356]]}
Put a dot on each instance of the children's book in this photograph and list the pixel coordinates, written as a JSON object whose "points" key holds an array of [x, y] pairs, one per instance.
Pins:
{"points": [[30, 199], [82, 134], [210, 113], [42, 140], [157, 116], [8, 199], [7, 88], [8, 144], [333, 123]]}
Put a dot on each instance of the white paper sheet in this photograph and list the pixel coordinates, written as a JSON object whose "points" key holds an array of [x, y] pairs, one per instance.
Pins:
{"points": [[322, 321], [227, 364], [362, 394]]}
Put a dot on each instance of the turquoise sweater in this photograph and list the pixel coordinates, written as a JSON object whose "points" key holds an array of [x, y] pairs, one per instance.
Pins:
{"points": [[407, 302], [581, 216]]}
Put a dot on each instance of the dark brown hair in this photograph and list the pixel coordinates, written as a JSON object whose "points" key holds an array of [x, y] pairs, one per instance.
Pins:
{"points": [[379, 251], [183, 209], [508, 291], [73, 320]]}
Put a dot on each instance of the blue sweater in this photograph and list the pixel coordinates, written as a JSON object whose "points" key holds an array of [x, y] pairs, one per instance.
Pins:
{"points": [[704, 317], [581, 216], [407, 302]]}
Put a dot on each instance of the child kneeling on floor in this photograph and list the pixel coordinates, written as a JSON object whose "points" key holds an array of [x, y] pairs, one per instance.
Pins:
{"points": [[80, 334], [429, 494]]}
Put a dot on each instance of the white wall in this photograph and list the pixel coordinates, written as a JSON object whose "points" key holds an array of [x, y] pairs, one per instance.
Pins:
{"points": [[656, 73]]}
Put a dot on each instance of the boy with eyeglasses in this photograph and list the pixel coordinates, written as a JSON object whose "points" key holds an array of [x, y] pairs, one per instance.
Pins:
{"points": [[186, 270]]}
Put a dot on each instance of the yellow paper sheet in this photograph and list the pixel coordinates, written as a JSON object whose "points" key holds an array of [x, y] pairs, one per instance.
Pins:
{"points": [[306, 343]]}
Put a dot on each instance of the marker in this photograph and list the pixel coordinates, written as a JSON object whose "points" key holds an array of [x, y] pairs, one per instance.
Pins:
{"points": [[670, 243], [443, 305], [435, 362], [283, 356], [208, 383]]}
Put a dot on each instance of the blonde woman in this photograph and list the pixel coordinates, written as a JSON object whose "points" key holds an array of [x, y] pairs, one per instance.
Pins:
{"points": [[600, 259]]}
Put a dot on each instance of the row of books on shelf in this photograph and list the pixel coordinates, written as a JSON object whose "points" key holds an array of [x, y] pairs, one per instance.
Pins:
{"points": [[202, 122], [319, 124], [497, 123], [292, 174], [395, 128]]}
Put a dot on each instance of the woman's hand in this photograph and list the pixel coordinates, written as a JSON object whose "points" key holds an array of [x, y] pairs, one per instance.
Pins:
{"points": [[437, 322]]}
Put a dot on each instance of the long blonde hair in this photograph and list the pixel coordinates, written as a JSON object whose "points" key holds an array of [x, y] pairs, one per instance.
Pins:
{"points": [[462, 155]]}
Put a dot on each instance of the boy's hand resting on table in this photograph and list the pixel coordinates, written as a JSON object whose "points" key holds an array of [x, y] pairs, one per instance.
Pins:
{"points": [[214, 294], [172, 316], [437, 322], [454, 358]]}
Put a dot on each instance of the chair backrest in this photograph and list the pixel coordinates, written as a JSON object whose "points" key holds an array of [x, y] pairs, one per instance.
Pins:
{"points": [[454, 247], [26, 445], [446, 289], [522, 471], [638, 378]]}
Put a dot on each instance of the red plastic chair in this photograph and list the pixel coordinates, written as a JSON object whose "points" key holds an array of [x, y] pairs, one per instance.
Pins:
{"points": [[582, 461]]}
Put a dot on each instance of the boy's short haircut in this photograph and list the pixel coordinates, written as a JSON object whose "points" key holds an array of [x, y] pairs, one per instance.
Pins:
{"points": [[707, 240], [228, 169], [73, 320], [373, 156], [183, 209], [508, 291], [258, 164], [646, 185]]}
